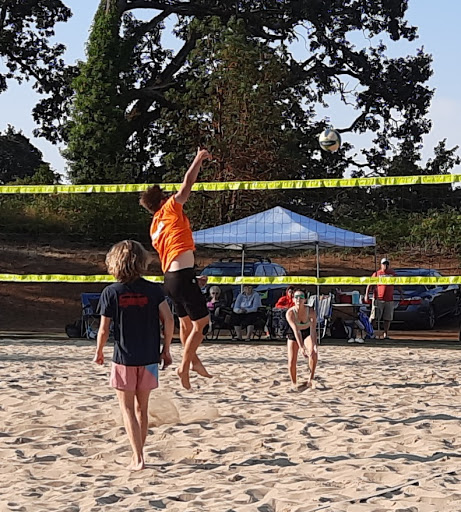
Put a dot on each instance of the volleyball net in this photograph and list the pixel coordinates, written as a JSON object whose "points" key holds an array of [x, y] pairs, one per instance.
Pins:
{"points": [[323, 235], [417, 216]]}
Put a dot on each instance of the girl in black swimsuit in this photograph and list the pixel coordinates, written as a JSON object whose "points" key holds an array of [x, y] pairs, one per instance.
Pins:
{"points": [[303, 336]]}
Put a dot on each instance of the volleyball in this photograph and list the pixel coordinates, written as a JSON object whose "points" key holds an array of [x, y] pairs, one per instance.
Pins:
{"points": [[330, 140]]}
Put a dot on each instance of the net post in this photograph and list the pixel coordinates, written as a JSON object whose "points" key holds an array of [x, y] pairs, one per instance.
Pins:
{"points": [[317, 259], [243, 266]]}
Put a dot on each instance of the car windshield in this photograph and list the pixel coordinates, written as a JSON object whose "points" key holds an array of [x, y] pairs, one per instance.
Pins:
{"points": [[232, 271], [413, 288]]}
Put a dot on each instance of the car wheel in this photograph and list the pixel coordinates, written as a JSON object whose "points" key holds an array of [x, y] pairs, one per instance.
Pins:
{"points": [[429, 322]]}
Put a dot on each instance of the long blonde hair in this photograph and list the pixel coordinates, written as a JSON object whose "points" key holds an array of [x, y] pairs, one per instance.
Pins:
{"points": [[128, 260], [215, 289]]}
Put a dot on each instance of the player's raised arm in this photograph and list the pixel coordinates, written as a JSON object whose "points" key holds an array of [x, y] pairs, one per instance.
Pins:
{"points": [[191, 175]]}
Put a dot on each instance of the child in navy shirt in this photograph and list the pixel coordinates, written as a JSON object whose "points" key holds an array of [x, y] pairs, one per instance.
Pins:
{"points": [[136, 307]]}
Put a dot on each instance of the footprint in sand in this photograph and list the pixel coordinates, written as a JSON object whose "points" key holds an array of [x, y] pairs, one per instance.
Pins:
{"points": [[108, 500], [76, 452], [157, 504]]}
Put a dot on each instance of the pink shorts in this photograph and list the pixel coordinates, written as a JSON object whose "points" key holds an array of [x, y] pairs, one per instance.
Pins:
{"points": [[134, 378]]}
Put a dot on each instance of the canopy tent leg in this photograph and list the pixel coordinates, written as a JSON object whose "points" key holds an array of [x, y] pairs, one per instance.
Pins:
{"points": [[376, 269], [317, 258], [243, 267]]}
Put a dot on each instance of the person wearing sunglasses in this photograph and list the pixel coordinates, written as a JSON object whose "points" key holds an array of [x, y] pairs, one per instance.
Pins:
{"points": [[215, 298], [302, 336]]}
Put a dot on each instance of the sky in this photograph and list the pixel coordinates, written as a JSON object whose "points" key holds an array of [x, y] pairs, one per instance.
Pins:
{"points": [[439, 33]]}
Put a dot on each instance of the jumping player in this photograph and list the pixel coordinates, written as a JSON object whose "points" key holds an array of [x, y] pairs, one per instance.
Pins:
{"points": [[171, 237]]}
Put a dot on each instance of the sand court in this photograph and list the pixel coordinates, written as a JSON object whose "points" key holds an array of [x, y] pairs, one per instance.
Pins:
{"points": [[381, 432]]}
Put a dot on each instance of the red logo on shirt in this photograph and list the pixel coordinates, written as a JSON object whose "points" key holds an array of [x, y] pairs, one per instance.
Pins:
{"points": [[133, 299]]}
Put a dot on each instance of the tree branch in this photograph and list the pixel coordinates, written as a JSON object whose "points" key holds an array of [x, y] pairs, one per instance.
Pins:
{"points": [[2, 17], [158, 85], [253, 19], [148, 26], [140, 121], [175, 65], [352, 127], [24, 67], [185, 9]]}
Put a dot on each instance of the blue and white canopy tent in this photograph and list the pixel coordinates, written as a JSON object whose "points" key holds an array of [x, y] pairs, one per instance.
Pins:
{"points": [[279, 228]]}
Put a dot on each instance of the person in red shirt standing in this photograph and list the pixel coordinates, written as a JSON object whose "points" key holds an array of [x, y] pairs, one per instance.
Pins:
{"points": [[383, 297], [171, 237]]}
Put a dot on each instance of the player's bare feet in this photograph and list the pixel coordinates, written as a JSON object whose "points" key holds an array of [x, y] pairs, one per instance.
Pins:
{"points": [[136, 465], [184, 378], [198, 367]]}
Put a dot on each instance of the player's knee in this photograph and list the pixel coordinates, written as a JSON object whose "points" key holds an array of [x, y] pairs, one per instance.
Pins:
{"points": [[185, 322], [201, 324]]}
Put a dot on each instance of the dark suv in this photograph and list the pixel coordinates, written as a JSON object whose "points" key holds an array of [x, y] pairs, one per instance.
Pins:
{"points": [[259, 267]]}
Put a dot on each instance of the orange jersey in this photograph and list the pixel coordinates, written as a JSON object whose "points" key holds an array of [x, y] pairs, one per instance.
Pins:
{"points": [[170, 232]]}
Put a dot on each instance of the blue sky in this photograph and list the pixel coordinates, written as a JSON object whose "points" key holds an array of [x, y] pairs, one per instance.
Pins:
{"points": [[439, 34]]}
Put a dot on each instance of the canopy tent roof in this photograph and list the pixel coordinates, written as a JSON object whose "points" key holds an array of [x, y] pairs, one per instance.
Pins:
{"points": [[279, 228]]}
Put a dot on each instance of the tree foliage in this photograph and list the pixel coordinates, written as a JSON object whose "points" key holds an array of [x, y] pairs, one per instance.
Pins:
{"points": [[26, 28], [388, 96], [96, 144], [140, 109], [19, 158], [235, 100]]}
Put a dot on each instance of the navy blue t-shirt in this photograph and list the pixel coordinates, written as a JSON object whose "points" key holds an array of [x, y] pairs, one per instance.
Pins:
{"points": [[134, 310]]}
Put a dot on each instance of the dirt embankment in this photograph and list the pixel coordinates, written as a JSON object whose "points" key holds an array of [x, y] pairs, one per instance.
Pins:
{"points": [[51, 306]]}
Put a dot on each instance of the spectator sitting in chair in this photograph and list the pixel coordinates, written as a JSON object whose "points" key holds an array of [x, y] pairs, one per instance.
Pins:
{"points": [[246, 311], [214, 303], [279, 322], [286, 301]]}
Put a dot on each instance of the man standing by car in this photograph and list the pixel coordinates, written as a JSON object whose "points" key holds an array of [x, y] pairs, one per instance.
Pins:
{"points": [[383, 298]]}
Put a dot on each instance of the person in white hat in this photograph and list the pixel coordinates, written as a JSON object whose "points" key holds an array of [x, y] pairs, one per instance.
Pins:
{"points": [[383, 298]]}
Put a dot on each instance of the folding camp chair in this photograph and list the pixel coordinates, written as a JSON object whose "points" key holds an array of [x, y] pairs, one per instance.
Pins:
{"points": [[262, 322], [323, 308], [278, 323], [220, 321], [90, 317]]}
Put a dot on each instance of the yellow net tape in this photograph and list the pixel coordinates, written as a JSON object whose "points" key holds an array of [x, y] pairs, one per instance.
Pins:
{"points": [[285, 280], [237, 185]]}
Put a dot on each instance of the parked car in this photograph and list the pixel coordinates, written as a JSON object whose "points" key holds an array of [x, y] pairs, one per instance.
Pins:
{"points": [[252, 267], [423, 305]]}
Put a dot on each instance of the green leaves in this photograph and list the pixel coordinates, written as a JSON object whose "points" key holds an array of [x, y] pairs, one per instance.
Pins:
{"points": [[96, 134], [25, 47], [19, 158]]}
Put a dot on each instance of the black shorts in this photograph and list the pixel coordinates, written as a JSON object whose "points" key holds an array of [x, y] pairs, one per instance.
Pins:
{"points": [[183, 290], [244, 319], [304, 334]]}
